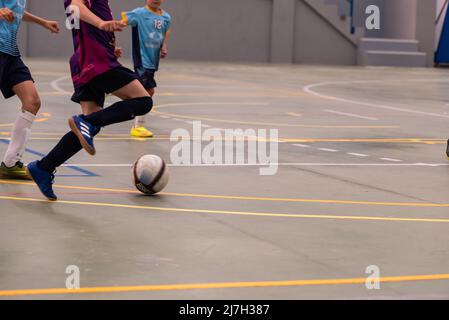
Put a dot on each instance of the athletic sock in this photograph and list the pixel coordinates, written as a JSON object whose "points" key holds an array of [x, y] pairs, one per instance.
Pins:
{"points": [[140, 121], [120, 112], [19, 137], [67, 147]]}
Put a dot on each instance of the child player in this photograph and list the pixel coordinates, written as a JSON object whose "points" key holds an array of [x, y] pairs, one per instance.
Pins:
{"points": [[150, 28], [95, 73], [15, 79]]}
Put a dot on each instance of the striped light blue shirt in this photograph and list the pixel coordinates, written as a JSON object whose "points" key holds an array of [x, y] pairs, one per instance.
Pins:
{"points": [[8, 30]]}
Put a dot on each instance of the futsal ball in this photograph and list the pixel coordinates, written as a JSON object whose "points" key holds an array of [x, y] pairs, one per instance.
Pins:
{"points": [[150, 174]]}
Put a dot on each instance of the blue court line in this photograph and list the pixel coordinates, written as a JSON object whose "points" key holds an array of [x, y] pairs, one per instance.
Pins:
{"points": [[85, 173]]}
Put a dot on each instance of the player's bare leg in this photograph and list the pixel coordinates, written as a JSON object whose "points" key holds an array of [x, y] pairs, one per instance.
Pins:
{"points": [[88, 107]]}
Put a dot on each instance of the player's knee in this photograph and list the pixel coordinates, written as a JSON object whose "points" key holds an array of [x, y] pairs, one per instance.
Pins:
{"points": [[32, 104], [145, 106]]}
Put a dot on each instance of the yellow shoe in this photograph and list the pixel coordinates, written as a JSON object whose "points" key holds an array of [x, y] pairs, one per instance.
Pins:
{"points": [[141, 132]]}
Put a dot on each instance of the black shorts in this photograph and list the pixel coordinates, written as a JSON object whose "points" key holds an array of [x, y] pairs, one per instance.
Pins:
{"points": [[103, 84], [146, 77], [12, 72]]}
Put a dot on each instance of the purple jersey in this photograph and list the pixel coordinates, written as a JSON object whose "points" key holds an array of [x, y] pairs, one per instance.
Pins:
{"points": [[94, 48]]}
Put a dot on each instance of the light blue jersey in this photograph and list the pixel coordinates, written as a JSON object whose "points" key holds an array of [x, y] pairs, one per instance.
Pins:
{"points": [[150, 29], [8, 30]]}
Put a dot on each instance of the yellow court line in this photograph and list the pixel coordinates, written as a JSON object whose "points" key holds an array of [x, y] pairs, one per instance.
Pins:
{"points": [[221, 285], [59, 134], [106, 136], [368, 140], [103, 139], [156, 108], [235, 94], [251, 86], [430, 141], [235, 213], [248, 198], [280, 140], [277, 124], [41, 120], [46, 116], [249, 138]]}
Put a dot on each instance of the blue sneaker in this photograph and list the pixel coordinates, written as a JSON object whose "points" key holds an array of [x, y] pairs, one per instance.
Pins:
{"points": [[85, 133], [43, 179]]}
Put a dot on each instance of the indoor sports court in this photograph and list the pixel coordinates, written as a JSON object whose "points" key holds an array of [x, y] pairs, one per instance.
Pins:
{"points": [[359, 186]]}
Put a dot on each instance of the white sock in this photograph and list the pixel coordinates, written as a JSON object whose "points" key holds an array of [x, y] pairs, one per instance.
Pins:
{"points": [[139, 121], [19, 137]]}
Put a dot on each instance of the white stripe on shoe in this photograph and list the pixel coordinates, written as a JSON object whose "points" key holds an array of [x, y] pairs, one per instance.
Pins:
{"points": [[84, 126]]}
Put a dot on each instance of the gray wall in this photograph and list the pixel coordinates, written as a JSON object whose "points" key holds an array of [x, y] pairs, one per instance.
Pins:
{"points": [[318, 41], [298, 31]]}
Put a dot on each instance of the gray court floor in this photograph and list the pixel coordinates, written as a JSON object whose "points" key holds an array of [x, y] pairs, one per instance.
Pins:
{"points": [[362, 181]]}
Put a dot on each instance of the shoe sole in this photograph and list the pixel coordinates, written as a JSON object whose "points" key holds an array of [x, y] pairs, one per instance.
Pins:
{"points": [[31, 177], [12, 177], [83, 141]]}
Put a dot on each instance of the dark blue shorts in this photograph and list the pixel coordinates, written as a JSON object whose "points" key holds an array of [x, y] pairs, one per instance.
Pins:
{"points": [[12, 72], [103, 84], [146, 77]]}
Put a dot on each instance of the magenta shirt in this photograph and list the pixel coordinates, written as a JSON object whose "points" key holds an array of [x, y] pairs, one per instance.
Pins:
{"points": [[94, 49]]}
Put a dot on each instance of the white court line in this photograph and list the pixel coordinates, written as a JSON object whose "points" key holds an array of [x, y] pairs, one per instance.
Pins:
{"points": [[165, 117], [301, 145], [308, 89], [390, 159], [299, 164], [357, 154], [205, 125], [327, 150], [351, 115], [55, 85], [200, 87]]}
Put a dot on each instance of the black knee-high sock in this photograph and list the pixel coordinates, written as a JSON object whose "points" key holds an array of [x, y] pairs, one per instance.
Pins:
{"points": [[120, 112], [67, 147]]}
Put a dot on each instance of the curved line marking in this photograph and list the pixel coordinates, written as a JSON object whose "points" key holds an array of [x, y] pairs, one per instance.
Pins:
{"points": [[308, 89], [55, 85]]}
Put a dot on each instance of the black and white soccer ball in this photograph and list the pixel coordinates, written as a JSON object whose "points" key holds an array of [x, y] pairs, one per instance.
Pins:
{"points": [[150, 174]]}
